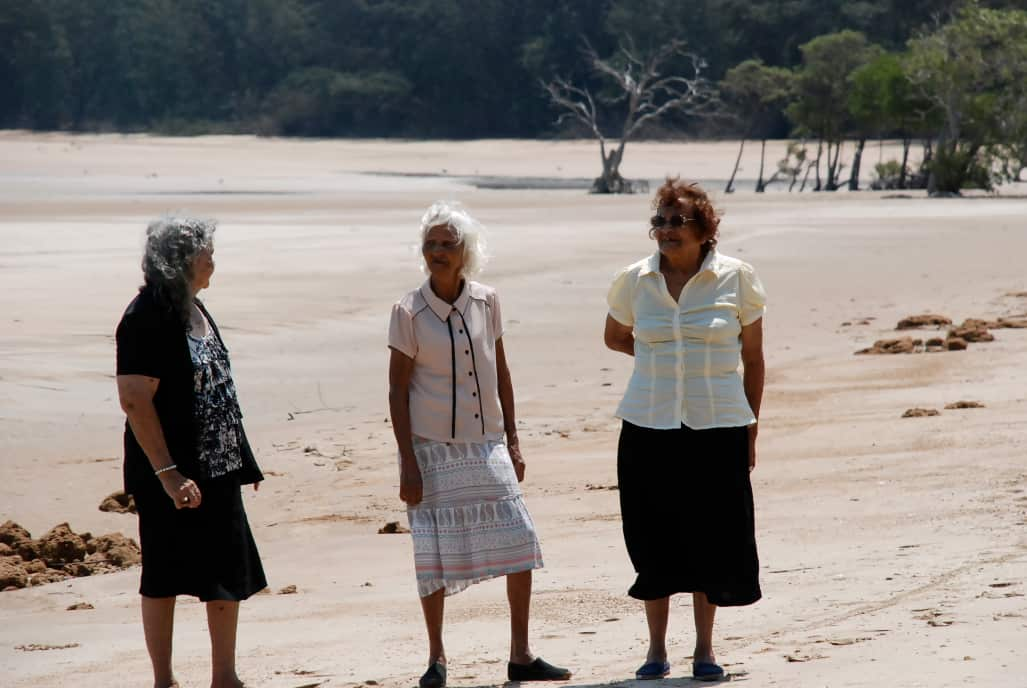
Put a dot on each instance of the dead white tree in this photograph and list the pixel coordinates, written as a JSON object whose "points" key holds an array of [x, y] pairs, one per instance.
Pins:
{"points": [[644, 92]]}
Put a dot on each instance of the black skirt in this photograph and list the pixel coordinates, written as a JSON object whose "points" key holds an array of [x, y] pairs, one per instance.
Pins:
{"points": [[687, 510], [207, 552]]}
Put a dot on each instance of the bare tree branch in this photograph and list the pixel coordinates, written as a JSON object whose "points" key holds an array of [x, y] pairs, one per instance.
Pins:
{"points": [[577, 104], [642, 86]]}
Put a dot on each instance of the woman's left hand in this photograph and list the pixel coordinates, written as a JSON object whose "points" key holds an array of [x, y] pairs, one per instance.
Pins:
{"points": [[517, 459], [753, 431]]}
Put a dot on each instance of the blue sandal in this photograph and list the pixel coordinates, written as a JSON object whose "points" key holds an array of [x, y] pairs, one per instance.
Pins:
{"points": [[652, 670], [707, 671]]}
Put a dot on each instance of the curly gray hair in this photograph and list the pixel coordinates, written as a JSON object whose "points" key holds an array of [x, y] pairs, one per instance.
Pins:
{"points": [[172, 244]]}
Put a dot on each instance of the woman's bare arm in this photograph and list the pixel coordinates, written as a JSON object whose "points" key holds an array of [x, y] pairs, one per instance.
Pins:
{"points": [[753, 378], [619, 337], [135, 393], [401, 369], [506, 402]]}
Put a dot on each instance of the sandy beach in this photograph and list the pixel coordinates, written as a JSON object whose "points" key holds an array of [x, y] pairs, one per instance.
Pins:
{"points": [[893, 550]]}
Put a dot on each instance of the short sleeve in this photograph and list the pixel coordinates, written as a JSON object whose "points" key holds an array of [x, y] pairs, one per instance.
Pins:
{"points": [[621, 297], [752, 299], [497, 315], [401, 332], [141, 350]]}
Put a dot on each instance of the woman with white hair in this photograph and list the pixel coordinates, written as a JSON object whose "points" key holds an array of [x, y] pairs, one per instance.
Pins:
{"points": [[452, 406], [186, 454]]}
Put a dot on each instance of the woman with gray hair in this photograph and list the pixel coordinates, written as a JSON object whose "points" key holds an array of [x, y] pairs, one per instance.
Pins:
{"points": [[452, 402], [186, 454]]}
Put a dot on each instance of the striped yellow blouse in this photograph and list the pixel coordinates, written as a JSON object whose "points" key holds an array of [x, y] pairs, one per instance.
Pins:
{"points": [[687, 353]]}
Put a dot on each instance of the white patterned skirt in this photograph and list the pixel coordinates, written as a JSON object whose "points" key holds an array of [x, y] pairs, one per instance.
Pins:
{"points": [[471, 524]]}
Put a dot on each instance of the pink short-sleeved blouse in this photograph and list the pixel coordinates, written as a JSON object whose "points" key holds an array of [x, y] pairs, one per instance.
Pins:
{"points": [[454, 390]]}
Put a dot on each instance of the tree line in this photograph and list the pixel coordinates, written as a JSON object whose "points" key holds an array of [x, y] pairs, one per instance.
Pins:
{"points": [[959, 87], [823, 70]]}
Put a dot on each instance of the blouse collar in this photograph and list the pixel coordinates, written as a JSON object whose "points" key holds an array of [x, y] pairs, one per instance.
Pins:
{"points": [[711, 263], [440, 307]]}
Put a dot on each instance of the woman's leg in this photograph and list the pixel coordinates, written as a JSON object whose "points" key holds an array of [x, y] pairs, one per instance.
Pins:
{"points": [[518, 594], [158, 625], [657, 613], [433, 607], [222, 622], [704, 613]]}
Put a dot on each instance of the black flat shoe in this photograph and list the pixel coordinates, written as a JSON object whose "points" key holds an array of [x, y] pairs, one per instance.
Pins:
{"points": [[539, 670], [435, 677]]}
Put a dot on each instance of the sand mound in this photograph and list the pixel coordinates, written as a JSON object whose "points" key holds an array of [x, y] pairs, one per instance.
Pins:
{"points": [[119, 503], [61, 546], [964, 405], [392, 527], [903, 345], [913, 322], [60, 554], [972, 330], [972, 334]]}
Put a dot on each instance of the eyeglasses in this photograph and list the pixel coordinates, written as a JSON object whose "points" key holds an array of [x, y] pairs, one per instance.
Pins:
{"points": [[431, 246], [672, 222]]}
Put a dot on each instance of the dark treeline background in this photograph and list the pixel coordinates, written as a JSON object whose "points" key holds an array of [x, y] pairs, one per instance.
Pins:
{"points": [[410, 68]]}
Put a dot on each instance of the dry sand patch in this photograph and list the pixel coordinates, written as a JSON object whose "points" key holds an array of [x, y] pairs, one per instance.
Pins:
{"points": [[870, 526]]}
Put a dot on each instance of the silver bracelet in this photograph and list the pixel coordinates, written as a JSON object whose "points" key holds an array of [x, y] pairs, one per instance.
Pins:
{"points": [[165, 469]]}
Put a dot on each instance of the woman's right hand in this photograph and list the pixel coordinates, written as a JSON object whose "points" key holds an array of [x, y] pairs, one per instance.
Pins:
{"points": [[410, 486], [182, 490]]}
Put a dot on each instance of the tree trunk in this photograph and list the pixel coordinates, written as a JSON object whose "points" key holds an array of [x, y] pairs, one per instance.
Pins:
{"points": [[905, 160], [820, 151], [809, 166], [829, 184], [611, 182], [760, 186], [730, 182], [857, 159], [932, 177], [833, 171]]}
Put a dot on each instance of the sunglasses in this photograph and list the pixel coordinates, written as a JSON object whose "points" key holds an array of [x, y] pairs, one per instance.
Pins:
{"points": [[431, 246], [673, 222]]}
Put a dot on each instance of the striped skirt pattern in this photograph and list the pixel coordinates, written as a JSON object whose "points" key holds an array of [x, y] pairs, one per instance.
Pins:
{"points": [[471, 524]]}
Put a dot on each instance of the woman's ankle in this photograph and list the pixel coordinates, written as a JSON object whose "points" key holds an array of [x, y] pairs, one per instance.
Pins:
{"points": [[656, 654]]}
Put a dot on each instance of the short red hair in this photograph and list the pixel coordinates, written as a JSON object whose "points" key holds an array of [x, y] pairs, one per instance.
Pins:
{"points": [[692, 201]]}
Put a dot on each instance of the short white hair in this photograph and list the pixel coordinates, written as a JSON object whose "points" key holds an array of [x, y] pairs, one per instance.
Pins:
{"points": [[468, 231]]}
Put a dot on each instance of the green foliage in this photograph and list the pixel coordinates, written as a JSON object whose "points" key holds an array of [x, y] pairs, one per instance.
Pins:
{"points": [[752, 90], [956, 168], [822, 87], [313, 101], [453, 68], [974, 71], [33, 61], [884, 102], [887, 175]]}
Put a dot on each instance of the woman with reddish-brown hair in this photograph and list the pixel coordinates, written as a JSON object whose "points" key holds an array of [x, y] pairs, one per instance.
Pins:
{"points": [[688, 315]]}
